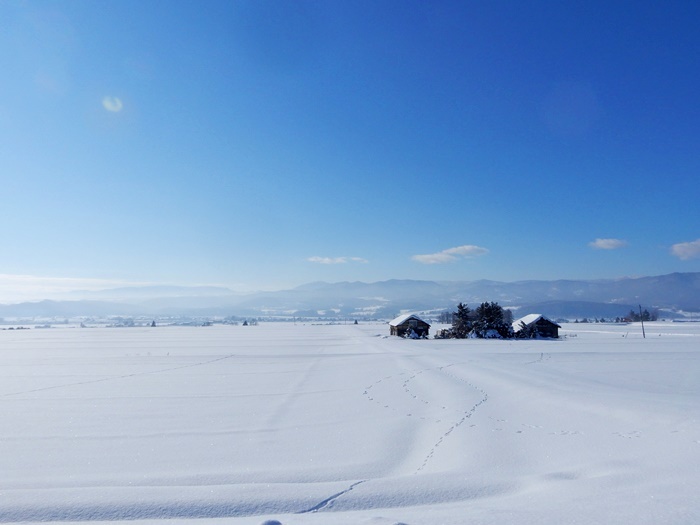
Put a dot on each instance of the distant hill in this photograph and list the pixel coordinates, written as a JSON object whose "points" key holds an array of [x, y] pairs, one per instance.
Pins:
{"points": [[384, 299], [131, 293], [585, 310]]}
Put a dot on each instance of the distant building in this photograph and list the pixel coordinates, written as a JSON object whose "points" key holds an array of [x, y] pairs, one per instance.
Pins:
{"points": [[404, 324], [537, 325]]}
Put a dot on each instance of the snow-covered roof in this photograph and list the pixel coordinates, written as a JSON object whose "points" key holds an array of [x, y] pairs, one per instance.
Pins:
{"points": [[403, 318], [530, 319]]}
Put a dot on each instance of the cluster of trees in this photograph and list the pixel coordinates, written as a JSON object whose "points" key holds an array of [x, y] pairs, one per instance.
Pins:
{"points": [[644, 316], [603, 320], [489, 320]]}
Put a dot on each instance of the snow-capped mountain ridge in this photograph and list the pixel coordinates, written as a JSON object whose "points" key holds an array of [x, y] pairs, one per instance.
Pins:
{"points": [[571, 298]]}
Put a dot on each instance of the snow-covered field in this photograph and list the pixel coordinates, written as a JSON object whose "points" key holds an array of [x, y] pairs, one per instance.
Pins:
{"points": [[341, 424]]}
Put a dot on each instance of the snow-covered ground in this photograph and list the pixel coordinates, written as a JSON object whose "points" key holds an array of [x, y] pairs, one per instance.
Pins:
{"points": [[291, 424]]}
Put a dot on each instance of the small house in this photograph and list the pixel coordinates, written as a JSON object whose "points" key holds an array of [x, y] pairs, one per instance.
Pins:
{"points": [[537, 325], [403, 325]]}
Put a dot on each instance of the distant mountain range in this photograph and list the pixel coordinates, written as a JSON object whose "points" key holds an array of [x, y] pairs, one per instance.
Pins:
{"points": [[672, 294]]}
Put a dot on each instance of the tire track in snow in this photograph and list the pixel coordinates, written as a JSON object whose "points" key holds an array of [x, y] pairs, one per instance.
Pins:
{"points": [[114, 378], [283, 408]]}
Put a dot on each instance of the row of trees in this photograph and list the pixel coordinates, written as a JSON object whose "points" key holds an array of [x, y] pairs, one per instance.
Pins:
{"points": [[632, 317], [489, 320], [644, 316]]}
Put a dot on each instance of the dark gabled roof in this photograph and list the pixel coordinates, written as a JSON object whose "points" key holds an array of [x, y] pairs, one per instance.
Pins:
{"points": [[403, 318], [531, 319]]}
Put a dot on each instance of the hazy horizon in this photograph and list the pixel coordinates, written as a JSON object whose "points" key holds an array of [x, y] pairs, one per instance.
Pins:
{"points": [[26, 288]]}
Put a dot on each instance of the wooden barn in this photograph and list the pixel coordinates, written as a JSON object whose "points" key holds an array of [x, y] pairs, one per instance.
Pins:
{"points": [[403, 325], [537, 325]]}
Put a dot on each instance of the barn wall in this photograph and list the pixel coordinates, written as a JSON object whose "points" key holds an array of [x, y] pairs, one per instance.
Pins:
{"points": [[547, 329], [404, 328]]}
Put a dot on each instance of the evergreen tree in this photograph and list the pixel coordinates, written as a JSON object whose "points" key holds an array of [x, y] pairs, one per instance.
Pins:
{"points": [[461, 321], [508, 316], [527, 332], [646, 316], [490, 321]]}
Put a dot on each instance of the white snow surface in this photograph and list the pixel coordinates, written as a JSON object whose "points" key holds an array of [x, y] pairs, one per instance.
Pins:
{"points": [[333, 424]]}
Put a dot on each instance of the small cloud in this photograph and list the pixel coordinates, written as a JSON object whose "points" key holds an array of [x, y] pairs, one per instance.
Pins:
{"points": [[607, 244], [336, 260], [686, 250], [466, 251], [112, 104]]}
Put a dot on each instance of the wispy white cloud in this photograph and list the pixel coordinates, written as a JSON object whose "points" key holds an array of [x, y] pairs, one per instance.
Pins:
{"points": [[466, 251], [607, 244], [336, 260], [686, 250]]}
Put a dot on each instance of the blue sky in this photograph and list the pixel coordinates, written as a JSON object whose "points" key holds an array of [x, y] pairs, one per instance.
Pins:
{"points": [[266, 144]]}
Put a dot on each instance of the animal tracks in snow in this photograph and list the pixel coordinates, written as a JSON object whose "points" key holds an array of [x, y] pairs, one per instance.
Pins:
{"points": [[541, 359], [466, 415], [628, 435], [426, 403]]}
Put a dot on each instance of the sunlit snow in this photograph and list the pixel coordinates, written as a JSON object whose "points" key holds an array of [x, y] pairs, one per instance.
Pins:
{"points": [[290, 423]]}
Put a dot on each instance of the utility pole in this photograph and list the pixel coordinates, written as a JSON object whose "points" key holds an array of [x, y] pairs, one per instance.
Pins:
{"points": [[641, 318]]}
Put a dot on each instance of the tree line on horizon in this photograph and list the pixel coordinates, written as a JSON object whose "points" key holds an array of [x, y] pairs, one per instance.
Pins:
{"points": [[631, 317]]}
